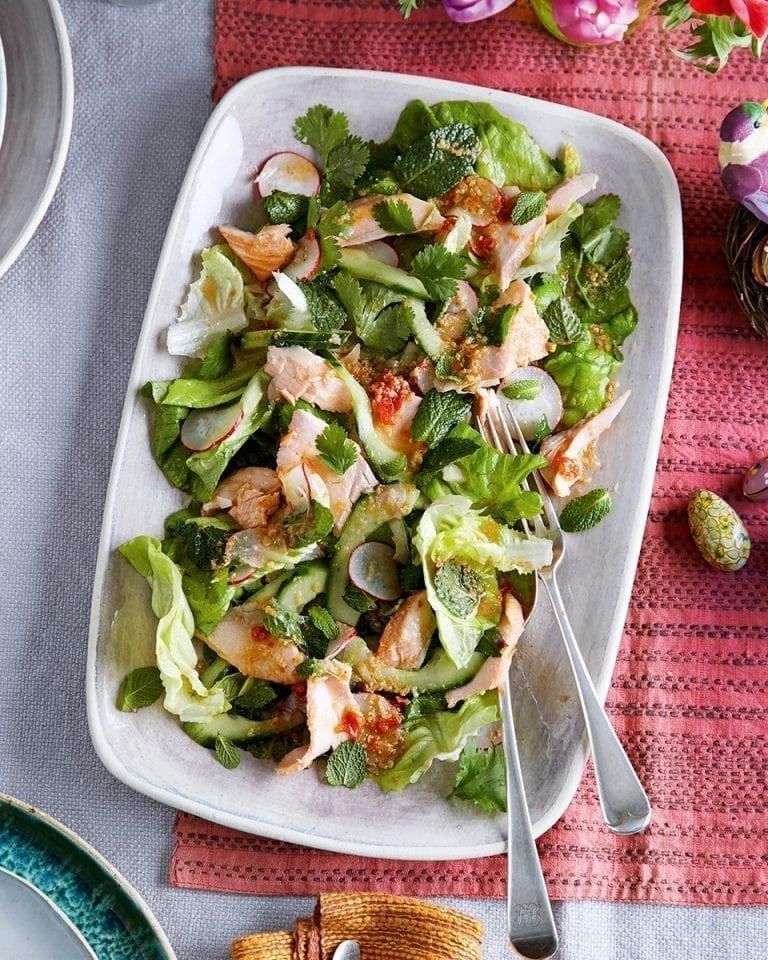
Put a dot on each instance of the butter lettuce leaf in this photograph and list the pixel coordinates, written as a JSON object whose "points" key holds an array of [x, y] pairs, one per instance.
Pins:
{"points": [[482, 777], [583, 372], [215, 305], [440, 735], [185, 694]]}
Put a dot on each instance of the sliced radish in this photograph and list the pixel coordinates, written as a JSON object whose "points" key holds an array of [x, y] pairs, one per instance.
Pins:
{"points": [[240, 574], [291, 291], [205, 427], [548, 403], [336, 646], [381, 251], [372, 569], [306, 260], [465, 298], [289, 172], [478, 197]]}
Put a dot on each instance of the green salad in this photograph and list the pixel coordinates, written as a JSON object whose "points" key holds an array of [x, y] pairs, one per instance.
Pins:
{"points": [[348, 579]]}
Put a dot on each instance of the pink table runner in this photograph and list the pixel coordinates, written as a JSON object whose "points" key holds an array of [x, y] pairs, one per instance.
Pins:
{"points": [[690, 689]]}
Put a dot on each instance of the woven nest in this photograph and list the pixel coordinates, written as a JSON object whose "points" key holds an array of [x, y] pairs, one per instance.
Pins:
{"points": [[746, 250]]}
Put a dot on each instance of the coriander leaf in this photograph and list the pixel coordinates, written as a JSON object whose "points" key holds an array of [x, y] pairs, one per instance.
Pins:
{"points": [[315, 526], [438, 269], [482, 778], [322, 621], [434, 164], [394, 216], [408, 6], [330, 228], [459, 588], [227, 753], [562, 322], [141, 688], [529, 205], [282, 207], [336, 450], [346, 765], [346, 161], [364, 301], [585, 512], [438, 414], [522, 390], [322, 129]]}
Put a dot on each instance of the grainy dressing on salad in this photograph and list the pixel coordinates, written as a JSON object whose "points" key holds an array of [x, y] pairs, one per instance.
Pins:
{"points": [[349, 576]]}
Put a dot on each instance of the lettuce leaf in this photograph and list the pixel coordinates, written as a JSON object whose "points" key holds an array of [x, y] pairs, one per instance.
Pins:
{"points": [[545, 256], [215, 305], [482, 777], [451, 530], [583, 372], [441, 735], [185, 694]]}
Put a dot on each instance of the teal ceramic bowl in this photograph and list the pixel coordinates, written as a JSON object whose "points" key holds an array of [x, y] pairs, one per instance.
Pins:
{"points": [[57, 889]]}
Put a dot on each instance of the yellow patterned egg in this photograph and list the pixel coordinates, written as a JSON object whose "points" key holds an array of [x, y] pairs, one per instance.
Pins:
{"points": [[717, 531]]}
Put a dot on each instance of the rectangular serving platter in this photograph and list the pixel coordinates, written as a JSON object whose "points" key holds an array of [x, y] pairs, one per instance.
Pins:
{"points": [[148, 750]]}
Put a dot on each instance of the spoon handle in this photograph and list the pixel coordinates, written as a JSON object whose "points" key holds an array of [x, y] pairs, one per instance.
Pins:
{"points": [[624, 803], [530, 923]]}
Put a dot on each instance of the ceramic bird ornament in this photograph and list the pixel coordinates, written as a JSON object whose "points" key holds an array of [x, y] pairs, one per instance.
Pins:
{"points": [[743, 156]]}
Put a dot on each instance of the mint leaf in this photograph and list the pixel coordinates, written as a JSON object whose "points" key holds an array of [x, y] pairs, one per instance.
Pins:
{"points": [[446, 452], [438, 269], [218, 361], [529, 205], [542, 430], [482, 778], [522, 390], [438, 414], [336, 450], [325, 312], [315, 526], [226, 753], [312, 667], [585, 512], [282, 207], [448, 367], [358, 600], [434, 164], [322, 621], [394, 216], [459, 588], [346, 765], [255, 695], [284, 625], [563, 322], [141, 688]]}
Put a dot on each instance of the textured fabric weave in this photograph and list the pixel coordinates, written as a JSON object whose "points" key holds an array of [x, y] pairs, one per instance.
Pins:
{"points": [[689, 691]]}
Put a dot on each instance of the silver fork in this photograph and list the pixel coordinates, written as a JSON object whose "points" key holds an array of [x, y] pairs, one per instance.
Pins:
{"points": [[623, 801]]}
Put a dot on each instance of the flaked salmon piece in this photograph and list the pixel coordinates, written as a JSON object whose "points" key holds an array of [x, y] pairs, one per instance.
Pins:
{"points": [[561, 197], [242, 640], [405, 639], [265, 251], [571, 453], [527, 340], [364, 227], [250, 495], [494, 671], [304, 476], [512, 244], [333, 716], [382, 733], [299, 374]]}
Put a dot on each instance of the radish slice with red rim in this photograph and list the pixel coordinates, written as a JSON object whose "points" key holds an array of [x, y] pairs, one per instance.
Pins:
{"points": [[205, 427], [240, 574], [539, 398], [306, 260], [373, 569], [289, 172]]}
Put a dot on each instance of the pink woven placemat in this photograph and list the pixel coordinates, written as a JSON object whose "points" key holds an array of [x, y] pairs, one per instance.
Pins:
{"points": [[690, 688]]}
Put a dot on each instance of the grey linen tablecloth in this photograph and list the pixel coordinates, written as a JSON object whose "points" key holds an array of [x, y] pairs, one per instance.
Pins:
{"points": [[71, 308]]}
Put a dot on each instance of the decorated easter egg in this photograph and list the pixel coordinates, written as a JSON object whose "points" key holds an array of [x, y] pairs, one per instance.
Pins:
{"points": [[717, 531], [755, 484]]}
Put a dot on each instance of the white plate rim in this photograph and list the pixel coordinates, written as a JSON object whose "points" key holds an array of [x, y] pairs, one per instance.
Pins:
{"points": [[230, 818], [61, 147]]}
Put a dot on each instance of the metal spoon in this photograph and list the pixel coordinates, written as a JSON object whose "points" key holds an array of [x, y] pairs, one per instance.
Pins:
{"points": [[347, 950], [530, 924]]}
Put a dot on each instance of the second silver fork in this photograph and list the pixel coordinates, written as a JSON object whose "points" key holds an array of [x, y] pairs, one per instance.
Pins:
{"points": [[623, 800]]}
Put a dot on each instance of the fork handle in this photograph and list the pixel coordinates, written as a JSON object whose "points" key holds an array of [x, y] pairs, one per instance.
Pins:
{"points": [[530, 924], [624, 803]]}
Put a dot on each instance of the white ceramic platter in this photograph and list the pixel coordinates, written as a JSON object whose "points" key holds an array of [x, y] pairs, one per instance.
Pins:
{"points": [[3, 90], [148, 750], [40, 91]]}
